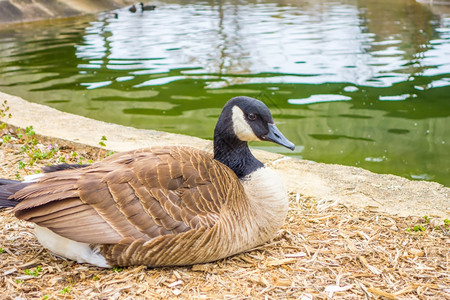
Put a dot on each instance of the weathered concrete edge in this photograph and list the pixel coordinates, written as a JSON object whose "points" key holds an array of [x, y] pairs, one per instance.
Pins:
{"points": [[50, 122], [12, 12], [329, 184]]}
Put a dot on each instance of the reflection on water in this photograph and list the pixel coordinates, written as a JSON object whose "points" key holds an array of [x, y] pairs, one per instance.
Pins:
{"points": [[363, 83]]}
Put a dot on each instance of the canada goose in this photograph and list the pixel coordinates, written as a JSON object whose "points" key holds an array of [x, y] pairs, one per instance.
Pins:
{"points": [[161, 206], [147, 7], [132, 8]]}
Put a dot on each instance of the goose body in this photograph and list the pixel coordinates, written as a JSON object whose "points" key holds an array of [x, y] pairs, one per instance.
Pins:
{"points": [[147, 7], [163, 206]]}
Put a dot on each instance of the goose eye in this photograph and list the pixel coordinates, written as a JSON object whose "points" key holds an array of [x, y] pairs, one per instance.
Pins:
{"points": [[251, 116]]}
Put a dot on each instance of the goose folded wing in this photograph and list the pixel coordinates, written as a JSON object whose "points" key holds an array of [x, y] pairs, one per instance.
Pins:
{"points": [[139, 195]]}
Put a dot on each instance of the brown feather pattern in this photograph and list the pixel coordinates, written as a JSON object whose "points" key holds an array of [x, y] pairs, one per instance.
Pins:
{"points": [[152, 206]]}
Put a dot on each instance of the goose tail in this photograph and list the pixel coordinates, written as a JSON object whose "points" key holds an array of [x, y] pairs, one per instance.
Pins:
{"points": [[8, 188]]}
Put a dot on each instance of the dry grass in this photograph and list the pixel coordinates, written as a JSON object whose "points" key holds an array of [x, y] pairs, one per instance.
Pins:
{"points": [[325, 250]]}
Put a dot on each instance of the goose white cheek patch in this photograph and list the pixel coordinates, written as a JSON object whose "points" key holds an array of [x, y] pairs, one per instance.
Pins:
{"points": [[240, 126]]}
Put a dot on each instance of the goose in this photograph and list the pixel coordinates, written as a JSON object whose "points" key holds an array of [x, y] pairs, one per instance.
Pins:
{"points": [[163, 205], [147, 7], [132, 8]]}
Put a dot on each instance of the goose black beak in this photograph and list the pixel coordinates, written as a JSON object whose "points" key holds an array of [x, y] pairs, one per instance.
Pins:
{"points": [[275, 135]]}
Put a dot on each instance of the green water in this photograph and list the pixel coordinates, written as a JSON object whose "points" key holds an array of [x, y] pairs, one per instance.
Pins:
{"points": [[359, 83]]}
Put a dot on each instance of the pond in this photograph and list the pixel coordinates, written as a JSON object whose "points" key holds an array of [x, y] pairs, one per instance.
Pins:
{"points": [[358, 83]]}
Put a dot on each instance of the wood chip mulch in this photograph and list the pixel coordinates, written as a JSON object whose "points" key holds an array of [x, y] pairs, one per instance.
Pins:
{"points": [[324, 251]]}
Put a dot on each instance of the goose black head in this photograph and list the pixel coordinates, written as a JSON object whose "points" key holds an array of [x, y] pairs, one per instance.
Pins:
{"points": [[249, 119], [244, 119]]}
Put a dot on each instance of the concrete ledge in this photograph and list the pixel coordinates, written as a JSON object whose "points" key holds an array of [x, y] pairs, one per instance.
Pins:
{"points": [[327, 183], [17, 11]]}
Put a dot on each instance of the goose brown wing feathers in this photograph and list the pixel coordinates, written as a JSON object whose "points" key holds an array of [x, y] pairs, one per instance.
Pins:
{"points": [[140, 194]]}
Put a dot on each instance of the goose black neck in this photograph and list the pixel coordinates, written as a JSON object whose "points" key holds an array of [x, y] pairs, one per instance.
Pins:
{"points": [[235, 154]]}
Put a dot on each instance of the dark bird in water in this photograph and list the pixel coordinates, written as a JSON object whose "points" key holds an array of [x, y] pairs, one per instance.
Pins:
{"points": [[164, 205], [132, 8], [147, 7]]}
